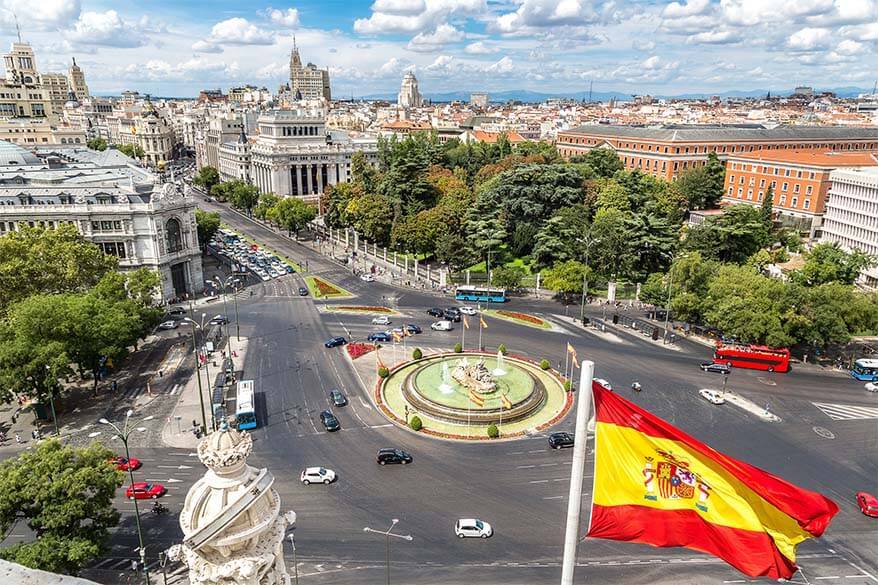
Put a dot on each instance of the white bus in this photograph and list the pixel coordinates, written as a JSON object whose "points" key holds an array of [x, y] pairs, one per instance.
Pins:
{"points": [[245, 405]]}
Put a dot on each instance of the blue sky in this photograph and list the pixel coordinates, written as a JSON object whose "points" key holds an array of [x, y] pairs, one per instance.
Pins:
{"points": [[177, 47]]}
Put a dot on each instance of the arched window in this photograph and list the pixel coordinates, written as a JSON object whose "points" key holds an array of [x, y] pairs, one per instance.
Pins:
{"points": [[174, 236]]}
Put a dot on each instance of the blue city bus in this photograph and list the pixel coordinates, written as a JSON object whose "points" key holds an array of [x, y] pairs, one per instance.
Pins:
{"points": [[480, 294], [245, 405], [865, 370]]}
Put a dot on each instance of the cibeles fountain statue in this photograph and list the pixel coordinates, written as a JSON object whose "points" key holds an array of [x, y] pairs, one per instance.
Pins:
{"points": [[475, 376], [232, 523]]}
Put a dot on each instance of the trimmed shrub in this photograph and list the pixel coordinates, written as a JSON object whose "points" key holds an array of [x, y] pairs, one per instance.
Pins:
{"points": [[417, 354], [458, 348], [502, 348], [416, 423], [567, 385], [383, 372], [493, 431], [545, 365]]}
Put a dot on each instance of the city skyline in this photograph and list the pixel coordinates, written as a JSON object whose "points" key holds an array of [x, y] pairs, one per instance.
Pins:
{"points": [[664, 48]]}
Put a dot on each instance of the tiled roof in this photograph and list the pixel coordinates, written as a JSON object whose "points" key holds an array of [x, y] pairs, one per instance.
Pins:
{"points": [[812, 158], [720, 133]]}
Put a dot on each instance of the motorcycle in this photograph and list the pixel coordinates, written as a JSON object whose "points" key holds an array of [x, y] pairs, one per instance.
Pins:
{"points": [[159, 509]]}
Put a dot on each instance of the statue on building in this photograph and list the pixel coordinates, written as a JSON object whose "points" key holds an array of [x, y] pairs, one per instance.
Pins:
{"points": [[233, 528]]}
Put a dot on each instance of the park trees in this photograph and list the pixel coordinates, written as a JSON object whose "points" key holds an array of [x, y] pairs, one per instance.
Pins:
{"points": [[240, 194], [703, 186], [65, 495], [604, 161], [293, 214], [97, 144], [372, 216], [131, 150], [827, 262], [508, 277], [733, 236], [566, 278], [206, 178], [207, 224], [558, 239]]}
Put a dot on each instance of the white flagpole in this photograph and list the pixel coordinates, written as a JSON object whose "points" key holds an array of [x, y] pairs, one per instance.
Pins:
{"points": [[566, 359], [463, 333], [577, 470]]}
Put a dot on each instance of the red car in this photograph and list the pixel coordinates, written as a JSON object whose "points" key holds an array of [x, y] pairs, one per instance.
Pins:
{"points": [[143, 491], [868, 504], [123, 464]]}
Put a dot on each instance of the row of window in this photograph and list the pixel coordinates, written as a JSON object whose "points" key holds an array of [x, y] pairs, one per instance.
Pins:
{"points": [[704, 149], [768, 170], [106, 225], [784, 186], [782, 202], [113, 249], [11, 226]]}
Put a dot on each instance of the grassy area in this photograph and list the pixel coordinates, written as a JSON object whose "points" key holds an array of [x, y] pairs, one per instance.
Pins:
{"points": [[525, 319], [283, 258], [321, 288], [361, 310]]}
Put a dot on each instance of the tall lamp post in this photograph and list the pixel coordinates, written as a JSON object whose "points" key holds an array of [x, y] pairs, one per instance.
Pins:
{"points": [[292, 537], [223, 285], [387, 534], [123, 434], [200, 327], [589, 242]]}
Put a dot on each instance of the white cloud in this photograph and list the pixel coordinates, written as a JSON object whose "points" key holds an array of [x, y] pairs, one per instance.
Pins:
{"points": [[535, 15], [810, 39], [753, 12], [206, 47], [393, 67], [867, 32], [239, 31], [288, 17], [643, 45], [421, 16], [273, 71], [502, 67], [106, 29], [690, 8], [434, 41], [847, 12], [716, 37], [161, 70], [480, 48], [39, 14], [849, 47]]}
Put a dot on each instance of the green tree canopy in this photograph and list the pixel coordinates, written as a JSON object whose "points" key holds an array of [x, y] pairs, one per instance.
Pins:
{"points": [[41, 260], [65, 495], [206, 178], [703, 186], [207, 224], [293, 214], [604, 161], [131, 150], [566, 278], [611, 255], [827, 262], [733, 236], [241, 195], [532, 193], [97, 144], [558, 240], [508, 277], [371, 216]]}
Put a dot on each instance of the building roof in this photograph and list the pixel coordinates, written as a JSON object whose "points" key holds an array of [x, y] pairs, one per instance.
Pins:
{"points": [[731, 133], [492, 137], [12, 155], [827, 159]]}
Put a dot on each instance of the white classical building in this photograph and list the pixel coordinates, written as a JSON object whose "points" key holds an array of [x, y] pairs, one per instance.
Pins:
{"points": [[234, 159], [851, 217], [409, 96], [113, 202], [295, 155]]}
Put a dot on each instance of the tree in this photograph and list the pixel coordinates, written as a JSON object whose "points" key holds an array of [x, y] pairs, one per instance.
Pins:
{"points": [[65, 495], [242, 195], [293, 214], [41, 260], [97, 144], [508, 277], [703, 186], [530, 194], [560, 238], [131, 150], [335, 203], [206, 178], [454, 250], [767, 208], [207, 224], [604, 161], [566, 278], [371, 216], [827, 262], [733, 236], [653, 241], [143, 286], [613, 256], [421, 232]]}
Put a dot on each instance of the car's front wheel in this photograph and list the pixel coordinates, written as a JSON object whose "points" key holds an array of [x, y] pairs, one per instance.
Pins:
{"points": [[484, 536], [403, 461], [306, 482], [326, 482], [460, 536], [382, 462], [154, 496]]}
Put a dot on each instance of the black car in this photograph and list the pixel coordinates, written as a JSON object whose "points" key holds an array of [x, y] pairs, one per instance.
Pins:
{"points": [[411, 328], [177, 311], [560, 440], [391, 455], [330, 423], [718, 368], [436, 312], [335, 341], [338, 398], [379, 336], [452, 314], [218, 320], [303, 292]]}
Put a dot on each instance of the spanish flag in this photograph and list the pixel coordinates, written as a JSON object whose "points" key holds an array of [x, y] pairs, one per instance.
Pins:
{"points": [[506, 403], [465, 322], [482, 322], [572, 351], [396, 336], [656, 485]]}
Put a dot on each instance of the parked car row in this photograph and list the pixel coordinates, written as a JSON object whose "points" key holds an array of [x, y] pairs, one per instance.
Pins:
{"points": [[248, 256]]}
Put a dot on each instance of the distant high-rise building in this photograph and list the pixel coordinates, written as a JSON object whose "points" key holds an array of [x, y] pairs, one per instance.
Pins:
{"points": [[77, 81], [479, 99], [308, 82], [409, 96]]}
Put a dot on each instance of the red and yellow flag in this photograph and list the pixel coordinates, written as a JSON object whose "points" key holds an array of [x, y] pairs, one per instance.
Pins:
{"points": [[506, 403], [482, 322], [396, 336], [465, 322], [572, 351], [656, 485]]}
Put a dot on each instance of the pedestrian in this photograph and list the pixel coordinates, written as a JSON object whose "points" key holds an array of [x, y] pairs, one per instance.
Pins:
{"points": [[134, 565], [161, 373], [18, 438], [33, 435], [115, 386]]}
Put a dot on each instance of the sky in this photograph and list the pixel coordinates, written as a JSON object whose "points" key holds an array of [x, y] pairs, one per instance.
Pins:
{"points": [[178, 47]]}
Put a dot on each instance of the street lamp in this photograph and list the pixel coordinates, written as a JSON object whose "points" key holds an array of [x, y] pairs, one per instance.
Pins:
{"points": [[589, 242], [387, 534], [123, 434], [200, 327], [229, 282], [292, 537]]}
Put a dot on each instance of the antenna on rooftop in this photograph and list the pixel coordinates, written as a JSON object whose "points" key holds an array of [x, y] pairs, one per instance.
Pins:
{"points": [[590, 86], [17, 28]]}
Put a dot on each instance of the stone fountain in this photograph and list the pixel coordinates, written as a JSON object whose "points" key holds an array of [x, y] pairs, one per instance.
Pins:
{"points": [[498, 370]]}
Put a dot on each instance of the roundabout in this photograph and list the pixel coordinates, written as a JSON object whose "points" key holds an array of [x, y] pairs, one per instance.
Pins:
{"points": [[462, 395]]}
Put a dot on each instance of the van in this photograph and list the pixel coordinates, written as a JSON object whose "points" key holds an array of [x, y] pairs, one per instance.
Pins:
{"points": [[441, 326]]}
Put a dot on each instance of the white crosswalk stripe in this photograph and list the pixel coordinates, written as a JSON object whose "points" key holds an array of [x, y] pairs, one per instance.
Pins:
{"points": [[847, 411]]}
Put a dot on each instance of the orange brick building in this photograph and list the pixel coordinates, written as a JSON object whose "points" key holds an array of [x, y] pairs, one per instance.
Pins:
{"points": [[667, 151], [799, 180]]}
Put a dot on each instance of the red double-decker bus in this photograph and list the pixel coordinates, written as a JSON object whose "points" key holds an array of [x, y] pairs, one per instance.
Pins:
{"points": [[755, 357]]}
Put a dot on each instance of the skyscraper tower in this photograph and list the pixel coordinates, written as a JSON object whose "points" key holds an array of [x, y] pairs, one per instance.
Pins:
{"points": [[409, 96], [309, 81], [77, 81]]}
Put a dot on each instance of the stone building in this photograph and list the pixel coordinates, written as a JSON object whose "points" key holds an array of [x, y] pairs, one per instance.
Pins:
{"points": [[116, 204], [77, 82], [409, 96], [308, 82]]}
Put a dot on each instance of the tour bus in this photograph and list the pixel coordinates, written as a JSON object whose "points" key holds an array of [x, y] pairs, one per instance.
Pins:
{"points": [[480, 294], [866, 370], [754, 357], [245, 405]]}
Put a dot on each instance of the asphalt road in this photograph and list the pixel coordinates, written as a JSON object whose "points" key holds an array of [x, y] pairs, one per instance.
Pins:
{"points": [[518, 486]]}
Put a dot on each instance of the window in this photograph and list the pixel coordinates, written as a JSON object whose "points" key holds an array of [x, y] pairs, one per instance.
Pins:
{"points": [[785, 186], [795, 201], [796, 188], [808, 189], [807, 204], [174, 236], [762, 182], [783, 200], [731, 179], [113, 249]]}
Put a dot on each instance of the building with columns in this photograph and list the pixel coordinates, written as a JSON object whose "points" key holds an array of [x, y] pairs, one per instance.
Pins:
{"points": [[295, 155]]}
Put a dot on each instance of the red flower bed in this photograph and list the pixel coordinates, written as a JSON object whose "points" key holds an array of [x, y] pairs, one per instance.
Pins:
{"points": [[325, 288], [364, 308], [521, 317], [356, 349]]}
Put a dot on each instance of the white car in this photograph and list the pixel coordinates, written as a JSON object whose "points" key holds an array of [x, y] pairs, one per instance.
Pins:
{"points": [[382, 320], [441, 326], [367, 278], [603, 383], [473, 528], [264, 276], [317, 475], [712, 396], [169, 325], [871, 386], [466, 310]]}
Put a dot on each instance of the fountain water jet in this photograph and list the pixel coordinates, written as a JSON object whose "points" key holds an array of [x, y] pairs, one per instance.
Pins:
{"points": [[445, 386], [499, 371]]}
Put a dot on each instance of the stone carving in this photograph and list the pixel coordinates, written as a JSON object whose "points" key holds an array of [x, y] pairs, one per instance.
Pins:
{"points": [[475, 377], [232, 523]]}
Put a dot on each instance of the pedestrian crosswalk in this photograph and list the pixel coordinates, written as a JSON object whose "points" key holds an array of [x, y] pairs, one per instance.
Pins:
{"points": [[847, 411]]}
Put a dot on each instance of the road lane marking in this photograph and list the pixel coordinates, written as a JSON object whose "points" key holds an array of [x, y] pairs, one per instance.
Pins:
{"points": [[524, 466], [364, 403], [539, 481], [553, 497]]}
